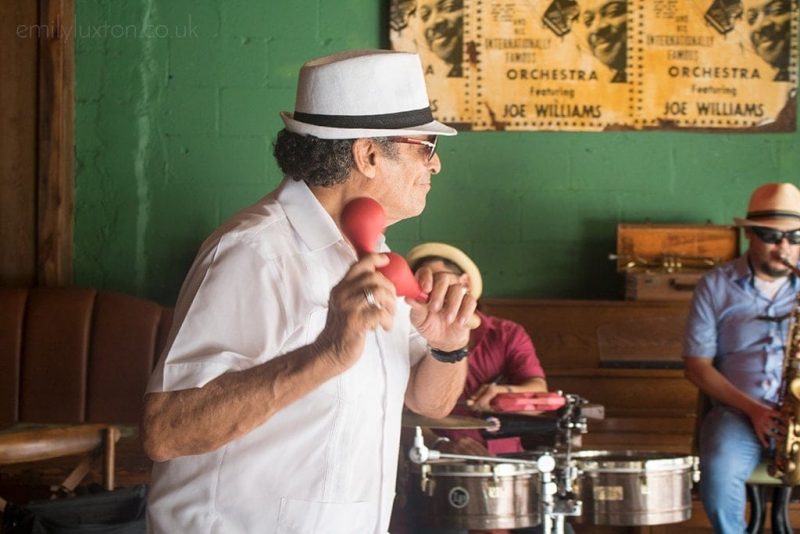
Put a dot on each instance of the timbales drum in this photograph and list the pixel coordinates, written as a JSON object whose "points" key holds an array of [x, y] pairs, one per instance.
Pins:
{"points": [[631, 488], [478, 495]]}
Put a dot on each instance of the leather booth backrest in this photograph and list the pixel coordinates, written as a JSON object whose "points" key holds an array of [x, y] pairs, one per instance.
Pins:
{"points": [[73, 355]]}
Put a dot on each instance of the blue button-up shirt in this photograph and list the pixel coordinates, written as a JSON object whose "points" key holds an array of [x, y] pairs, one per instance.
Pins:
{"points": [[724, 325]]}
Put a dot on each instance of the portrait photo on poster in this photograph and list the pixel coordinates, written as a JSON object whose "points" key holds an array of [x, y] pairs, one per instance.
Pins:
{"points": [[766, 25], [605, 28], [442, 25]]}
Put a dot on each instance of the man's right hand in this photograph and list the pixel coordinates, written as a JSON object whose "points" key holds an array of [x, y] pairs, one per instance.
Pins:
{"points": [[767, 423], [352, 313]]}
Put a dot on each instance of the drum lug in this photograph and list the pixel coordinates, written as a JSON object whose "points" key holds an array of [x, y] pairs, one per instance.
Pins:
{"points": [[643, 485], [426, 483]]}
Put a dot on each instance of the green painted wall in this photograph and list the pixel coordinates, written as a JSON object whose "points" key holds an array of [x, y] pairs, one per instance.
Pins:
{"points": [[177, 107]]}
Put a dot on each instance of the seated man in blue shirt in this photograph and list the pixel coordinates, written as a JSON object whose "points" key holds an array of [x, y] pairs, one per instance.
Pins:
{"points": [[734, 349]]}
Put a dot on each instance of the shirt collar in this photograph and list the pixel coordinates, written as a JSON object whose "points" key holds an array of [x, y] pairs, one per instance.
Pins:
{"points": [[308, 218], [742, 274]]}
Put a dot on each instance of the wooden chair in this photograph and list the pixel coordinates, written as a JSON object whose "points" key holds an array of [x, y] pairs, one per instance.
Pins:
{"points": [[92, 441], [757, 488]]}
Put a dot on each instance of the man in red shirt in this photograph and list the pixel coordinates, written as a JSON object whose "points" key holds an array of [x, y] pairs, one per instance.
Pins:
{"points": [[501, 358]]}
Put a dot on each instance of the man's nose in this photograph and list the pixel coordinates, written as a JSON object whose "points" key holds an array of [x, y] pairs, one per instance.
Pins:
{"points": [[435, 164]]}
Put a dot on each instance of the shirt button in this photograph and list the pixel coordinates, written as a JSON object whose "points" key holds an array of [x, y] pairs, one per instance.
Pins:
{"points": [[766, 384]]}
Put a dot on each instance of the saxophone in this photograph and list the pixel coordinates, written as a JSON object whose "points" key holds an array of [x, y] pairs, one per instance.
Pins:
{"points": [[785, 463]]}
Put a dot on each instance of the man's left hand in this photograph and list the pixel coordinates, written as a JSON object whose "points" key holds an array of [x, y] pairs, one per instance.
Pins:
{"points": [[482, 399], [442, 321]]}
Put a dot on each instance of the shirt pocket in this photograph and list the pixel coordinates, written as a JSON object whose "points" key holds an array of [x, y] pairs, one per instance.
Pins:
{"points": [[308, 517]]}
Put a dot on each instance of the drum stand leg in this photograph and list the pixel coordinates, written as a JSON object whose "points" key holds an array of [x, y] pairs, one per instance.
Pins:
{"points": [[553, 524], [552, 515]]}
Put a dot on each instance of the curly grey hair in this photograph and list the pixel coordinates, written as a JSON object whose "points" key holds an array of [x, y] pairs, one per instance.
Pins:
{"points": [[321, 162]]}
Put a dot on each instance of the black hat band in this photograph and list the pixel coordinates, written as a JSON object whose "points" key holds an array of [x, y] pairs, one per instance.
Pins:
{"points": [[387, 121], [772, 214]]}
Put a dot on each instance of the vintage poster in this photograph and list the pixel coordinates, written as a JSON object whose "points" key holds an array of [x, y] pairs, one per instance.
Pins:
{"points": [[716, 64], [592, 65]]}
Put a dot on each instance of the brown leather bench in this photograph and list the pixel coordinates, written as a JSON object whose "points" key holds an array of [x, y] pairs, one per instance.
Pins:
{"points": [[76, 356]]}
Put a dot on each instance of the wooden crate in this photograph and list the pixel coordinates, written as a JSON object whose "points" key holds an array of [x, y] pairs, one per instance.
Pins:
{"points": [[665, 261]]}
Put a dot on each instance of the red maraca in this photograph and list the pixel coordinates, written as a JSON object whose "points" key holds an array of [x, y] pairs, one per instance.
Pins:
{"points": [[363, 221], [399, 273]]}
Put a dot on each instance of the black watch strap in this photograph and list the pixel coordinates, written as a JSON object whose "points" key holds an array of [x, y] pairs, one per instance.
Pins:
{"points": [[449, 357]]}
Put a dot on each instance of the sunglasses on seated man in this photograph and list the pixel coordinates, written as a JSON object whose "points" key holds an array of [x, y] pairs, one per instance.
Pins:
{"points": [[771, 236]]}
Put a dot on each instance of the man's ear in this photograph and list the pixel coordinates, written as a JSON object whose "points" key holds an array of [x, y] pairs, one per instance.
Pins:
{"points": [[365, 157]]}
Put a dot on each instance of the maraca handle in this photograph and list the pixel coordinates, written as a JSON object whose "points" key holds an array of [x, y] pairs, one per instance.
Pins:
{"points": [[399, 273]]}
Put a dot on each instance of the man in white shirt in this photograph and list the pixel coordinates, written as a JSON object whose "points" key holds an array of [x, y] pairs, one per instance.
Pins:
{"points": [[276, 406]]}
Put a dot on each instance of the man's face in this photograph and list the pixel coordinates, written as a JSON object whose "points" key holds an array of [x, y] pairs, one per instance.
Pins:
{"points": [[403, 180], [770, 24], [606, 23], [442, 22], [764, 257]]}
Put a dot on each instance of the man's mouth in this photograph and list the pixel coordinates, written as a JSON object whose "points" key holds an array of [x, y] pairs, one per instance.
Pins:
{"points": [[765, 43], [767, 37], [603, 45]]}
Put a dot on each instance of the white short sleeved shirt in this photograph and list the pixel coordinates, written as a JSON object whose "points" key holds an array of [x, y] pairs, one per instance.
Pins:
{"points": [[258, 289]]}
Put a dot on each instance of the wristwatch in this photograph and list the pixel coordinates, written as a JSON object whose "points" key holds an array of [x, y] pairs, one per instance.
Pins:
{"points": [[449, 357]]}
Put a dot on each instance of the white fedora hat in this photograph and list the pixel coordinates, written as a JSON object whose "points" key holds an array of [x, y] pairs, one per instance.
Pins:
{"points": [[773, 205], [452, 254], [363, 93]]}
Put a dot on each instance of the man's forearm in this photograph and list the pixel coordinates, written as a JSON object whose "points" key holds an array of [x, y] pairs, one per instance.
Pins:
{"points": [[711, 382], [434, 387], [198, 420]]}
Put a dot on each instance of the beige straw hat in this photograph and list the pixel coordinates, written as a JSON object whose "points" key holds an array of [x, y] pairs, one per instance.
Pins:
{"points": [[774, 206]]}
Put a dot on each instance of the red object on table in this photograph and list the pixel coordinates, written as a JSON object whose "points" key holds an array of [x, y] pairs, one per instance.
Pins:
{"points": [[539, 401]]}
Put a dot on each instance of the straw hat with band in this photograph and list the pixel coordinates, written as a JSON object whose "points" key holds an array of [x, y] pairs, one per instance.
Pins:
{"points": [[773, 206], [363, 93], [450, 253]]}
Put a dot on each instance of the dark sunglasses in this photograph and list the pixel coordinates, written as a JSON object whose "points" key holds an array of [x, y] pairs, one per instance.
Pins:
{"points": [[771, 236], [431, 145]]}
